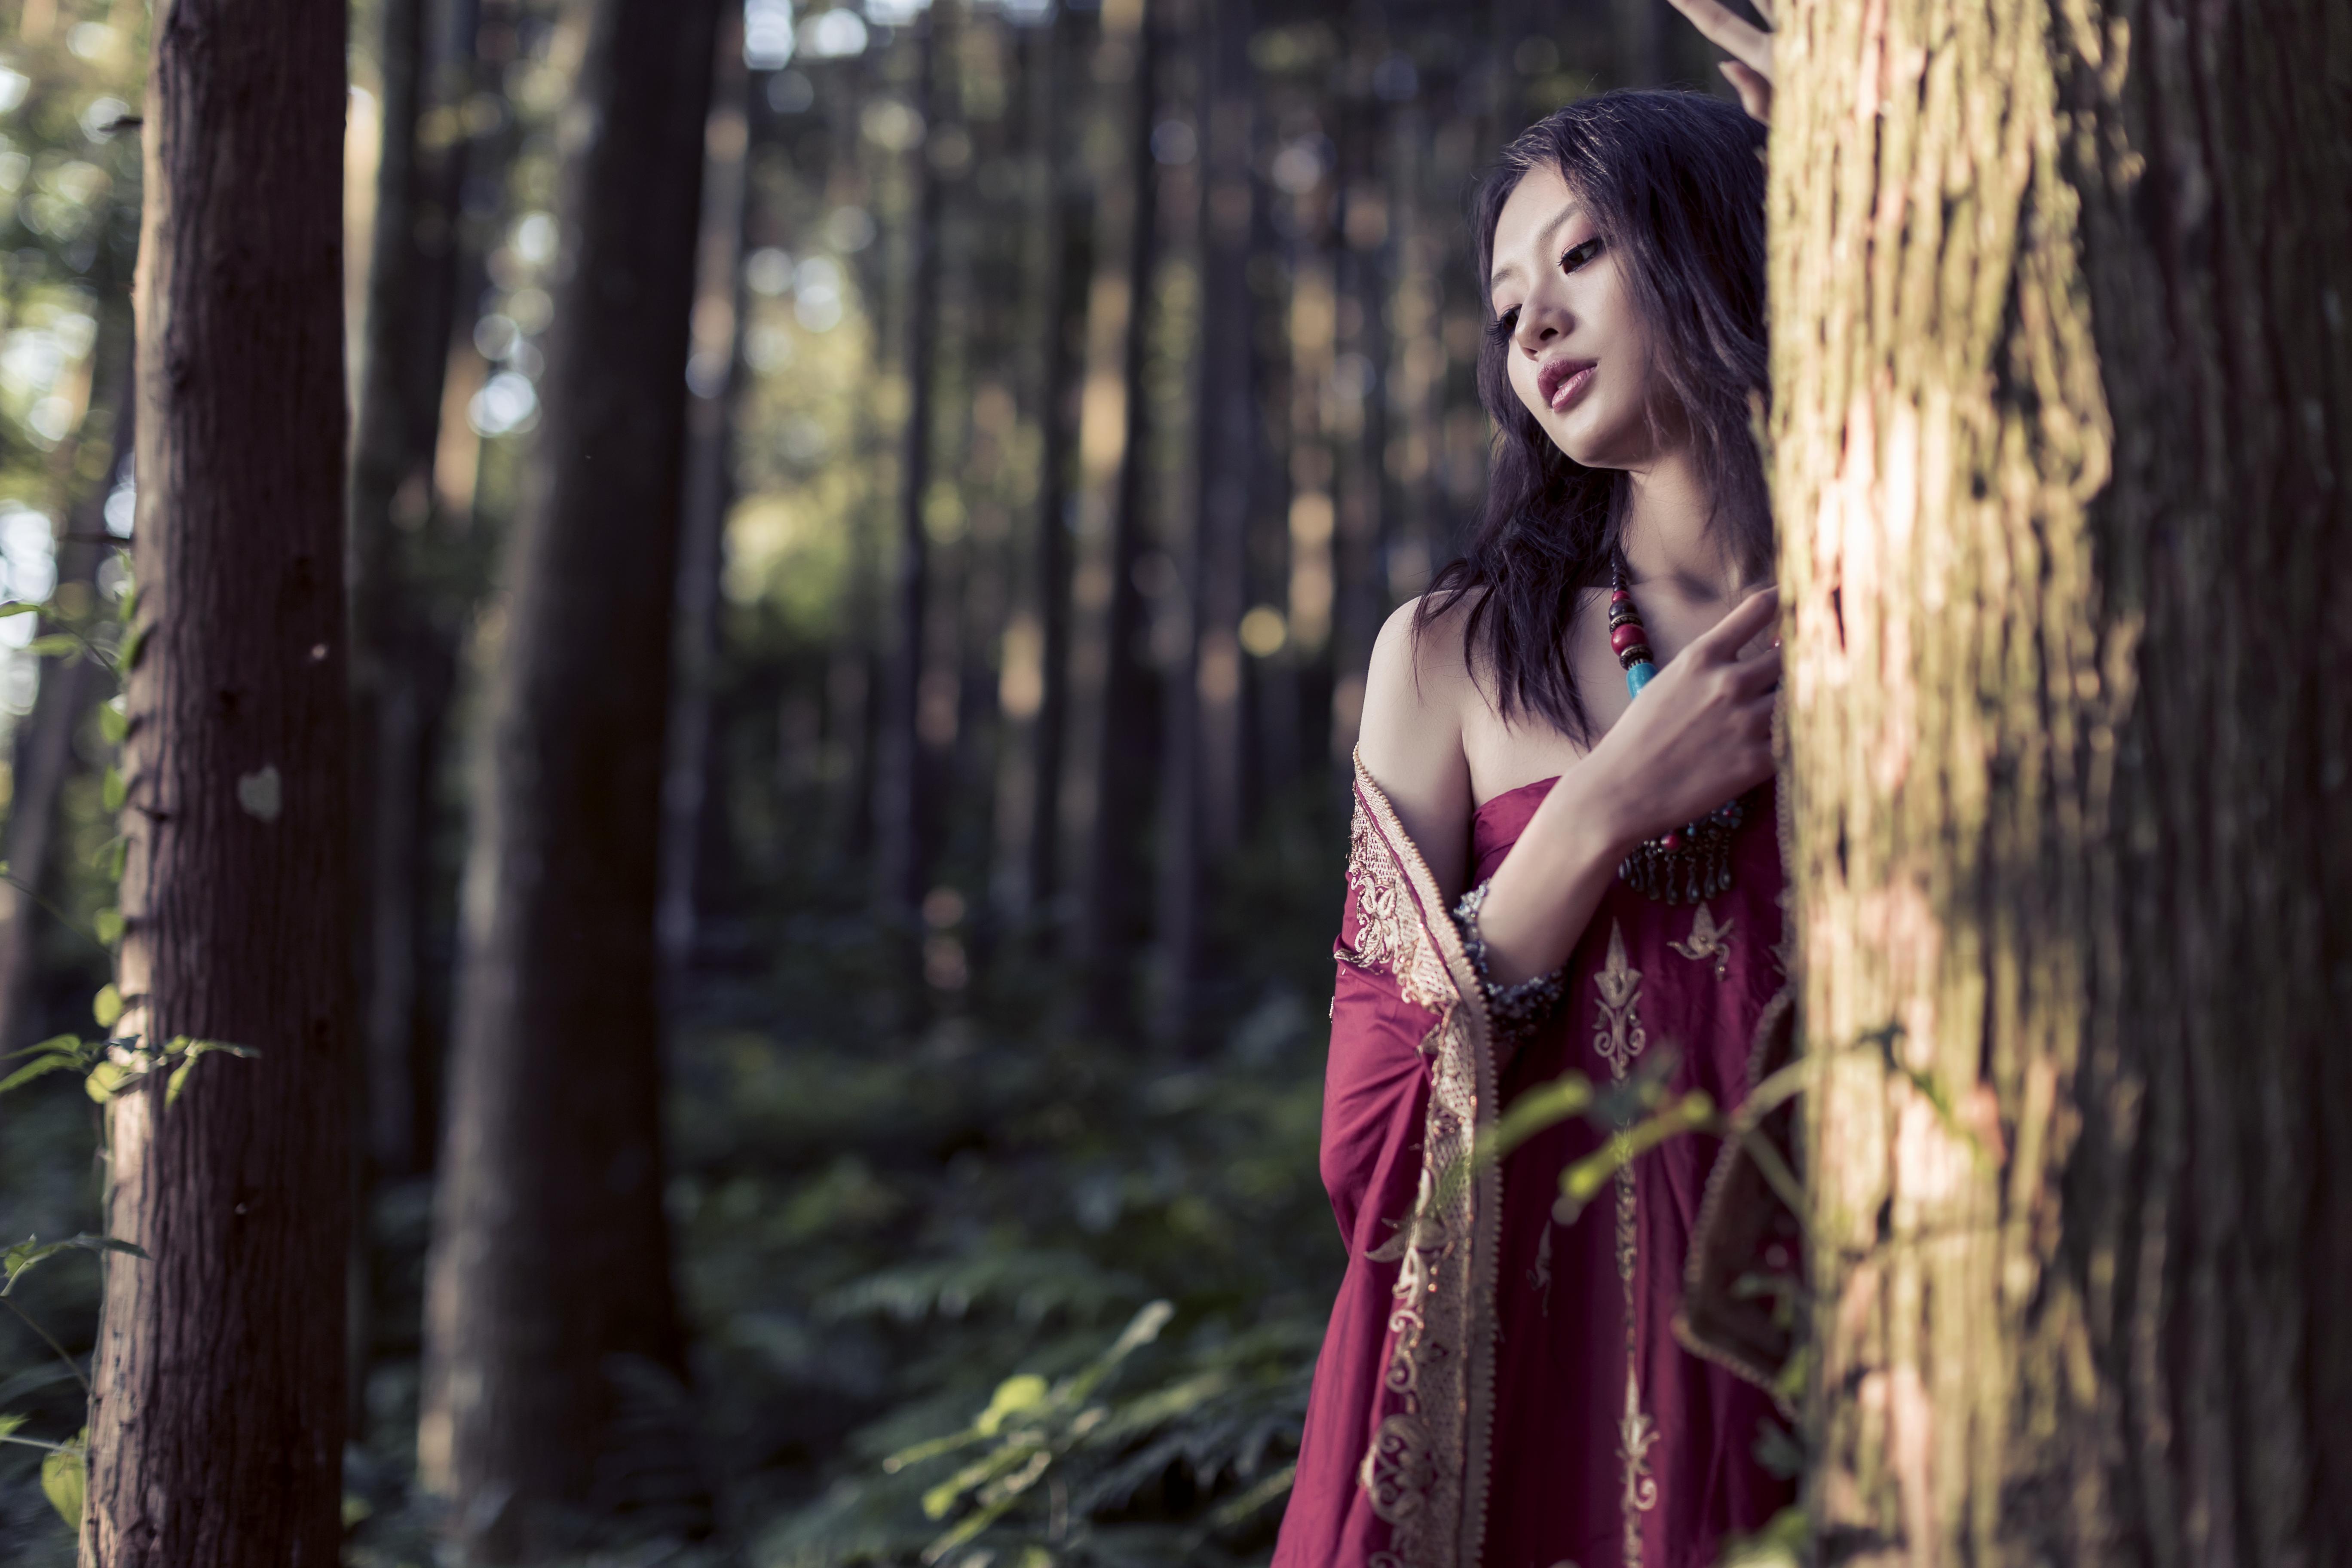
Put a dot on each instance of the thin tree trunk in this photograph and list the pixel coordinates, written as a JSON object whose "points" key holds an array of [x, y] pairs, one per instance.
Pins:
{"points": [[218, 1419], [1073, 240], [397, 663], [1122, 762], [1360, 600], [717, 339], [1200, 792], [2063, 409], [44, 756], [901, 825], [550, 1311]]}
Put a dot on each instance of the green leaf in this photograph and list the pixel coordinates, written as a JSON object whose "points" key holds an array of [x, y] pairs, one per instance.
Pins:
{"points": [[20, 1259], [31, 1070], [56, 645], [126, 658], [108, 924], [56, 1044], [112, 790], [114, 723], [9, 1424], [106, 1080], [18, 607], [64, 1478], [191, 1049], [1013, 1396], [106, 1005]]}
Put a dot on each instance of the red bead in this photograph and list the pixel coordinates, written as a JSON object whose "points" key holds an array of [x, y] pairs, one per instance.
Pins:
{"points": [[1627, 636], [1673, 840]]}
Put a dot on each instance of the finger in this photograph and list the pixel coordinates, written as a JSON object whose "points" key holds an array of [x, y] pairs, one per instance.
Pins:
{"points": [[1744, 42], [1760, 673], [1755, 91], [1752, 615]]}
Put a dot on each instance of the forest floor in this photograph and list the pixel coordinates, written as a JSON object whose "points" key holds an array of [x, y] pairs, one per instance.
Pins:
{"points": [[931, 1227]]}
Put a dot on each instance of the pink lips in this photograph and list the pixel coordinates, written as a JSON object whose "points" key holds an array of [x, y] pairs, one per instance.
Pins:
{"points": [[1562, 382]]}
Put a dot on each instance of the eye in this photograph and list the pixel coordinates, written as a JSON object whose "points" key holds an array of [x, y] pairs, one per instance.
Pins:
{"points": [[1576, 256], [1504, 325]]}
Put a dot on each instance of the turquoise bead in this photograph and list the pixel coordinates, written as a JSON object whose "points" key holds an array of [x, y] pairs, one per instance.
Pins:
{"points": [[1637, 676]]}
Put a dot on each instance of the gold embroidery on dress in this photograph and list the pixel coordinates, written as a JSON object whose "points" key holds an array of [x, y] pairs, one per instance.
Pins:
{"points": [[1707, 940], [1619, 1038], [1424, 1473], [1617, 1032], [1391, 934]]}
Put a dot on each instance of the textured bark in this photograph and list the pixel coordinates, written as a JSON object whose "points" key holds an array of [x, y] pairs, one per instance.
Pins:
{"points": [[901, 809], [549, 1309], [2063, 402], [1122, 760], [218, 1425]]}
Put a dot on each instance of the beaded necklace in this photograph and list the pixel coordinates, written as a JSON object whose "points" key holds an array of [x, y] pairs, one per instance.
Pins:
{"points": [[1692, 862]]}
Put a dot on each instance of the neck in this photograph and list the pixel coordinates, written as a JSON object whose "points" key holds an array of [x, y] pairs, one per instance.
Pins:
{"points": [[1669, 540]]}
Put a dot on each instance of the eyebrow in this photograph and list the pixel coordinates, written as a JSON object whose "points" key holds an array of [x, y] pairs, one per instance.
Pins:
{"points": [[1558, 218]]}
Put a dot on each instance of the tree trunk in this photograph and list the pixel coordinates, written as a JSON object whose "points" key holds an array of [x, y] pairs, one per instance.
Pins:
{"points": [[718, 335], [2063, 405], [217, 1423], [901, 817], [397, 662], [44, 757], [1201, 775], [1072, 263], [551, 1326], [1122, 762]]}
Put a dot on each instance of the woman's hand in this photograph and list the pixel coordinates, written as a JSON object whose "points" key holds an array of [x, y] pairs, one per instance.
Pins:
{"points": [[1749, 68], [1699, 734], [1701, 731]]}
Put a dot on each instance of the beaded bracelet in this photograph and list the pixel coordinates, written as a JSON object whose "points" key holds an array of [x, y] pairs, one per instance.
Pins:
{"points": [[1518, 1009]]}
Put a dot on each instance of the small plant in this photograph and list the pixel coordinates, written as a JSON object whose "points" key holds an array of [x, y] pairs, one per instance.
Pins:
{"points": [[64, 1465]]}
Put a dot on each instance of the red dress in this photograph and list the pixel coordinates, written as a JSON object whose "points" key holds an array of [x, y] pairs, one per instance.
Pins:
{"points": [[1497, 1389]]}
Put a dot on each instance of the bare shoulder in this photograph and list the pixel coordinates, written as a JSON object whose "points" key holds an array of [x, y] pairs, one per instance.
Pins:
{"points": [[1417, 677], [1416, 694]]}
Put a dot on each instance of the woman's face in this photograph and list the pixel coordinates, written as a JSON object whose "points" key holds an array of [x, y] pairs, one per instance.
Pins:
{"points": [[1577, 350]]}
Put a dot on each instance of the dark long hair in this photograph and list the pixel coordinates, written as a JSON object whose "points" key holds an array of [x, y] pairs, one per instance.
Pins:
{"points": [[1675, 189]]}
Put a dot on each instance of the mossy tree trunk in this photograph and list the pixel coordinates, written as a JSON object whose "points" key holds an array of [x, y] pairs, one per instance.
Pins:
{"points": [[218, 1420], [2062, 420]]}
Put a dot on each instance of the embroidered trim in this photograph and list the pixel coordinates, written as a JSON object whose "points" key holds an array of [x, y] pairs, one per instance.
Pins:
{"points": [[1617, 1032], [1707, 940], [1619, 1038], [1426, 1471], [1391, 936], [1518, 1009]]}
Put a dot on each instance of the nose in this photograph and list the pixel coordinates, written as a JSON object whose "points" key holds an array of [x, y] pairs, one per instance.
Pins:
{"points": [[1541, 322]]}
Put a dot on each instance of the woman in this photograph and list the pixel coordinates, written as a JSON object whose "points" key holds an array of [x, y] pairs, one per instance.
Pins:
{"points": [[1561, 864]]}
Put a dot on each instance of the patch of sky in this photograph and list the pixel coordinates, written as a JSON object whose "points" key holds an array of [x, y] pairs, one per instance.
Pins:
{"points": [[767, 35], [28, 552], [508, 404], [833, 35]]}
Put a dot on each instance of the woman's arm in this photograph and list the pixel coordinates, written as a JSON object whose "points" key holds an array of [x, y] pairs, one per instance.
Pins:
{"points": [[1410, 738], [1700, 734]]}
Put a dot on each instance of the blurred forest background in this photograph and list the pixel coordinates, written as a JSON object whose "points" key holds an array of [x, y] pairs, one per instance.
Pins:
{"points": [[1073, 391]]}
